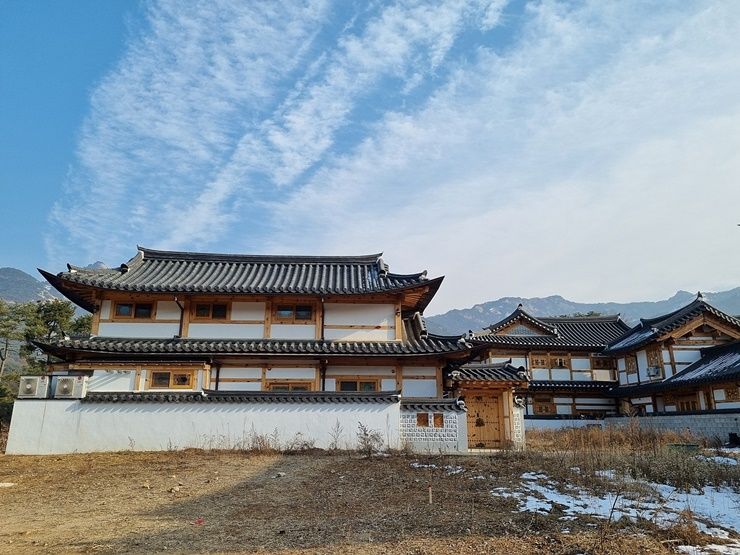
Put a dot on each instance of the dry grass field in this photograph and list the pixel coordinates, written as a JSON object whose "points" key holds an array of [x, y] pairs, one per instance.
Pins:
{"points": [[311, 502]]}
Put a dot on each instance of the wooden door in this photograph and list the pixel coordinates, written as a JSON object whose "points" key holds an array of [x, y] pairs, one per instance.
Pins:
{"points": [[484, 420]]}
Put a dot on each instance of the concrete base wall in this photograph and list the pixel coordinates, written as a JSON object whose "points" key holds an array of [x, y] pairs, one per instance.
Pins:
{"points": [[712, 425], [715, 425], [41, 427]]}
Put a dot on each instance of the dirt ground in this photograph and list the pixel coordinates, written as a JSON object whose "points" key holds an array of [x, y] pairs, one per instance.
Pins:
{"points": [[194, 501]]}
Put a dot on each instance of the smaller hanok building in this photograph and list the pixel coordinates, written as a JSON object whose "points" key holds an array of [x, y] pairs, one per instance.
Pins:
{"points": [[684, 361], [569, 375]]}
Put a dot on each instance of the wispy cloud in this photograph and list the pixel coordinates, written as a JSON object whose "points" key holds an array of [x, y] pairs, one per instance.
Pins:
{"points": [[584, 149]]}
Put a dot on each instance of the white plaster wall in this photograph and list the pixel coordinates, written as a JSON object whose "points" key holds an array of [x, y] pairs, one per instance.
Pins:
{"points": [[419, 371], [240, 386], [226, 331], [602, 375], [56, 426], [581, 376], [540, 374], [360, 371], [666, 354], [330, 384], [667, 370], [339, 314], [111, 380], [642, 362], [519, 362], [562, 400], [360, 335], [293, 331], [419, 388], [388, 385], [248, 311], [594, 401], [563, 409], [621, 364], [238, 373], [168, 310], [686, 355], [580, 363], [291, 373], [138, 329], [560, 374], [622, 378]]}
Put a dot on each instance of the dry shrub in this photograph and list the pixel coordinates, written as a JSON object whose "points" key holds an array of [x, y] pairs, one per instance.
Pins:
{"points": [[631, 450]]}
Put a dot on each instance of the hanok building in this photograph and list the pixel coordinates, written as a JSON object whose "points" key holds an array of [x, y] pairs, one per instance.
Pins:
{"points": [[563, 357], [190, 348], [685, 361]]}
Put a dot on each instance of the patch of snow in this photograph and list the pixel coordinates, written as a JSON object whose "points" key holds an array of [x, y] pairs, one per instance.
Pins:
{"points": [[534, 476], [719, 460], [712, 549], [420, 465], [454, 470]]}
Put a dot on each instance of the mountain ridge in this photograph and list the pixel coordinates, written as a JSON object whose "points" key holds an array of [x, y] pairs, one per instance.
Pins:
{"points": [[481, 315]]}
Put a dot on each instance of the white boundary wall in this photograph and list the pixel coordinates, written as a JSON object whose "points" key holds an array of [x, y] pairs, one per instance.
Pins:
{"points": [[43, 427]]}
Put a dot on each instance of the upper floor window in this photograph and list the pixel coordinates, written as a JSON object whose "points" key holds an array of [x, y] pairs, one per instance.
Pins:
{"points": [[559, 361], [630, 364], [287, 313], [358, 385], [289, 386], [539, 361], [602, 363], [167, 379], [211, 311], [654, 358], [141, 311]]}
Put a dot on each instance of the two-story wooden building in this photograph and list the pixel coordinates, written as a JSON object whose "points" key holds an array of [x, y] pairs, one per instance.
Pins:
{"points": [[340, 337], [684, 361], [563, 358]]}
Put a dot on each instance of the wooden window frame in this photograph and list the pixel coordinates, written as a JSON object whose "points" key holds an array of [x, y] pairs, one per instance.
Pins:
{"points": [[132, 316], [340, 380], [566, 361], [294, 306], [681, 402], [194, 311], [172, 373], [438, 420], [657, 354], [549, 403], [270, 385], [539, 356], [422, 420], [732, 394], [603, 363]]}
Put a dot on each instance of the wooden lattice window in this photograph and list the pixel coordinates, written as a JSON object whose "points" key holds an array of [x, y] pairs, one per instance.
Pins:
{"points": [[211, 311], [539, 361], [358, 385], [687, 403], [654, 358], [139, 311], [289, 313], [602, 363], [732, 393], [559, 361], [439, 420], [422, 419], [630, 364], [289, 386], [543, 404]]}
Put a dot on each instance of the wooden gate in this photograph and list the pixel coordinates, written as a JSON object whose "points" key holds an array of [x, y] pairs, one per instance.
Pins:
{"points": [[484, 420]]}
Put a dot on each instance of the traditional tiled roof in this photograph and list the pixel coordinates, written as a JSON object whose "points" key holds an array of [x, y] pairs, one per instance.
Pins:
{"points": [[650, 329], [152, 271], [581, 332], [717, 364], [550, 385], [416, 342], [481, 372], [211, 396], [419, 404]]}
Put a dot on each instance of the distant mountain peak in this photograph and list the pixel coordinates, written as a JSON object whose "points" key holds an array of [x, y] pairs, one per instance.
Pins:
{"points": [[481, 315], [19, 287]]}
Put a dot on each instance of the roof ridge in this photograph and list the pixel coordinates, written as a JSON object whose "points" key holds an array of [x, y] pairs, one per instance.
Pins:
{"points": [[153, 254]]}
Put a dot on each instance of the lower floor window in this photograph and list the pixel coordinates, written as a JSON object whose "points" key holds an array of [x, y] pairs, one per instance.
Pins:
{"points": [[169, 379], [687, 403], [543, 404], [358, 385], [287, 386]]}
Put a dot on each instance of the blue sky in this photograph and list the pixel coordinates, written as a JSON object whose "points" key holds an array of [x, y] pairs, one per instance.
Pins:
{"points": [[520, 148]]}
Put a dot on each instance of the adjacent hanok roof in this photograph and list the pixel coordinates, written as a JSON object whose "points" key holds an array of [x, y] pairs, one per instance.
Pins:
{"points": [[570, 385], [577, 332], [417, 342], [482, 372], [717, 364], [212, 396], [431, 404], [650, 329], [153, 271]]}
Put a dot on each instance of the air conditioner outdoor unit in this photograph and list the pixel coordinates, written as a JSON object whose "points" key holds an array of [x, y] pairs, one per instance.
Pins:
{"points": [[653, 371], [70, 387], [33, 387]]}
